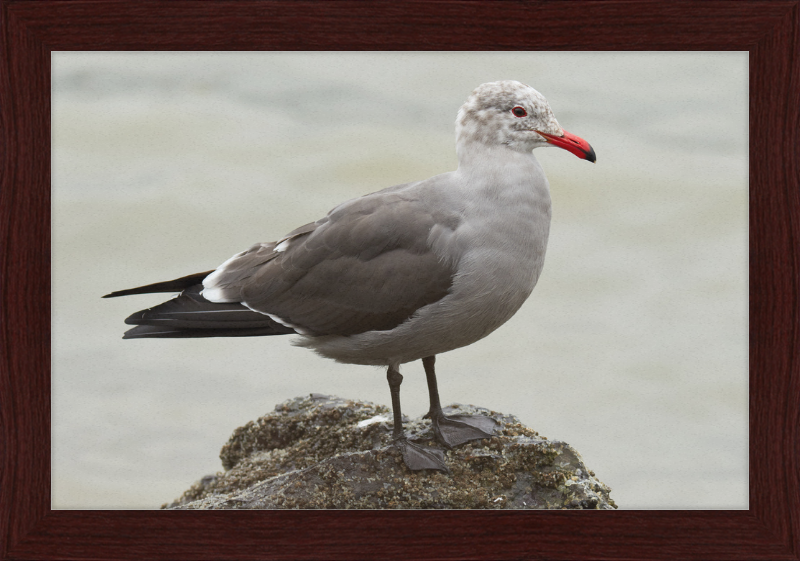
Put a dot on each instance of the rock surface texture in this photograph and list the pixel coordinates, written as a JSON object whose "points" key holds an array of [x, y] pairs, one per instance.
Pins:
{"points": [[322, 451]]}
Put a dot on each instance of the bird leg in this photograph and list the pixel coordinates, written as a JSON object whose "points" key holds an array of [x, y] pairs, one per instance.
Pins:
{"points": [[455, 429], [415, 456]]}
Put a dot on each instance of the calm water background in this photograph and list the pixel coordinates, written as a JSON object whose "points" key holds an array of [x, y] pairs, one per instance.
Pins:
{"points": [[632, 348]]}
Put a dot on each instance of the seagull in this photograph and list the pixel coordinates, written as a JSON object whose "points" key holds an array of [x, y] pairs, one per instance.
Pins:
{"points": [[401, 274]]}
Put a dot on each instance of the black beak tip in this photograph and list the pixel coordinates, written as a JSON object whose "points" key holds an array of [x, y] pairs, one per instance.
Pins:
{"points": [[590, 155]]}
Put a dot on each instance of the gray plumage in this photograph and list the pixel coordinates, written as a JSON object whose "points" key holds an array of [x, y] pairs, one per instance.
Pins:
{"points": [[401, 274]]}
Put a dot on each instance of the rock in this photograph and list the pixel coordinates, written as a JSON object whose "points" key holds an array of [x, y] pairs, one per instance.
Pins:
{"points": [[326, 452]]}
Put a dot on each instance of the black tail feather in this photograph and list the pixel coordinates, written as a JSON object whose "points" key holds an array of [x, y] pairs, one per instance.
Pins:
{"points": [[154, 332], [176, 285], [191, 315]]}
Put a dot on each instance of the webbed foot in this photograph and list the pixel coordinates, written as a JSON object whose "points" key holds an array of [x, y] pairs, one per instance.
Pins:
{"points": [[458, 429], [418, 457]]}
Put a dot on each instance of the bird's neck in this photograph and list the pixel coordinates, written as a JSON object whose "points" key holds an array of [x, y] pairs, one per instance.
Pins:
{"points": [[473, 155], [499, 168]]}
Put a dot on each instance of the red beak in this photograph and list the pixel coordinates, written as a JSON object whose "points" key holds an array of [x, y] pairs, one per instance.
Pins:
{"points": [[571, 143]]}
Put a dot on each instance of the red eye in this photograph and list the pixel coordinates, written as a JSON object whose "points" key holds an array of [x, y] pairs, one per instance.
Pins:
{"points": [[519, 111]]}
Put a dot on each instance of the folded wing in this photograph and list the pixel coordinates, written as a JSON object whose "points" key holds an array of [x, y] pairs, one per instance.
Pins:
{"points": [[366, 266]]}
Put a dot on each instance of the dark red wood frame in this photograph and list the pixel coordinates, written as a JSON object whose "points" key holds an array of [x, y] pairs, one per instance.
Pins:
{"points": [[31, 29]]}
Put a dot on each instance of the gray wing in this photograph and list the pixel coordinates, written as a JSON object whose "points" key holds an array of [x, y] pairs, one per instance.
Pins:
{"points": [[366, 266]]}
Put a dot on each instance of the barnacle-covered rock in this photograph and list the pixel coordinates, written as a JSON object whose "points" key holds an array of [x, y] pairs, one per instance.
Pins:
{"points": [[322, 451]]}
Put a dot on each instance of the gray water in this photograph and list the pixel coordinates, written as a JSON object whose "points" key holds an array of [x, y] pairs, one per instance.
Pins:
{"points": [[632, 348]]}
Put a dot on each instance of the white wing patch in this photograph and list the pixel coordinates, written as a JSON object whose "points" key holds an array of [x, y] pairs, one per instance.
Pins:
{"points": [[213, 294], [211, 290]]}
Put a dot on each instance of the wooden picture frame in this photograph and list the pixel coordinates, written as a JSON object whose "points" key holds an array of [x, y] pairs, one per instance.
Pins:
{"points": [[31, 29]]}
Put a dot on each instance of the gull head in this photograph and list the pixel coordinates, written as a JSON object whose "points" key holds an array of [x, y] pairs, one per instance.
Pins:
{"points": [[512, 114]]}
